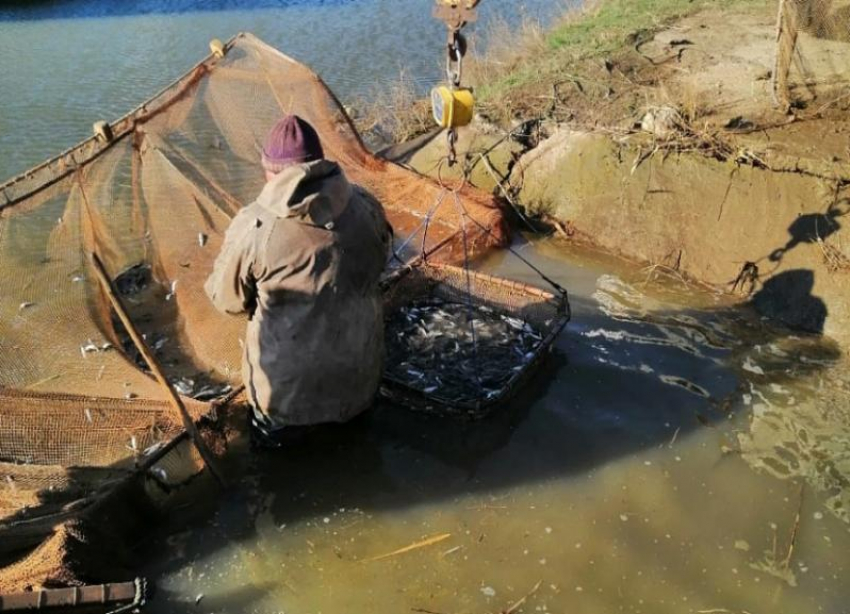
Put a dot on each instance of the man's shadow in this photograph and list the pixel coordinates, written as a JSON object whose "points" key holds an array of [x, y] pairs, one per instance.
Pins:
{"points": [[813, 228], [787, 297]]}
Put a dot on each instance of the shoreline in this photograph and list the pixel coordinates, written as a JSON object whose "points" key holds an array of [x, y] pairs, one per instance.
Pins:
{"points": [[655, 148]]}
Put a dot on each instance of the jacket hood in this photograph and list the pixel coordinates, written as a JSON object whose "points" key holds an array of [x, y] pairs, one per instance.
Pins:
{"points": [[316, 191]]}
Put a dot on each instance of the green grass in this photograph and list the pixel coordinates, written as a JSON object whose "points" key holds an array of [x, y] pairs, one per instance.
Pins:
{"points": [[610, 26]]}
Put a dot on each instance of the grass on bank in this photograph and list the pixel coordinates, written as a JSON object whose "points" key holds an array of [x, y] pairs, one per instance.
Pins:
{"points": [[604, 28], [515, 74]]}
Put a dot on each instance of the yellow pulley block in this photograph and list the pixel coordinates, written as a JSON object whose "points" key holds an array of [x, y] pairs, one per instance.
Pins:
{"points": [[452, 108]]}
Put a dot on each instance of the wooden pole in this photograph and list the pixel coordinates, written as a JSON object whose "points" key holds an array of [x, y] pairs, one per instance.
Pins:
{"points": [[155, 368]]}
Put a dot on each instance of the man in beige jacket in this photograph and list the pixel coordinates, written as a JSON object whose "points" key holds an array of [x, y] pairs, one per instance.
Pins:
{"points": [[303, 261]]}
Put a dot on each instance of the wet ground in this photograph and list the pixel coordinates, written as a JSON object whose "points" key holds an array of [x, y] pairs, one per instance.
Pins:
{"points": [[674, 454]]}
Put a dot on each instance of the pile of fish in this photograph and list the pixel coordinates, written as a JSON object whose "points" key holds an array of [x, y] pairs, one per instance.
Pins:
{"points": [[456, 351]]}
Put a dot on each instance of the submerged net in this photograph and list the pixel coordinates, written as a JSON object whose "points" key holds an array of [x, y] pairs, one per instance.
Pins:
{"points": [[76, 410], [812, 52]]}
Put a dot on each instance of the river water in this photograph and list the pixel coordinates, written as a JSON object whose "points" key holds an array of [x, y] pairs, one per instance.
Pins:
{"points": [[66, 64], [674, 453]]}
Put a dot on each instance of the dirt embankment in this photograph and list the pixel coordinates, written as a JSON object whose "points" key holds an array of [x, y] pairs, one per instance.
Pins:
{"points": [[670, 150]]}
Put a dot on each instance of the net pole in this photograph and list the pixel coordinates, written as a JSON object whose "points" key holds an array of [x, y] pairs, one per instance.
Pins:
{"points": [[155, 367], [786, 41]]}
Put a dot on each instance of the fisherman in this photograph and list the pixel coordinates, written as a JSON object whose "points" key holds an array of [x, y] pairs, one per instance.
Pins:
{"points": [[303, 261]]}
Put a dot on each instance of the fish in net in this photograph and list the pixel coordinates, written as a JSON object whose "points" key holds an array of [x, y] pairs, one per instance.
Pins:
{"points": [[457, 351]]}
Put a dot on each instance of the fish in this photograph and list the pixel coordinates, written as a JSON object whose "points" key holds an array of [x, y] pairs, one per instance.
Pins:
{"points": [[172, 291], [457, 351], [184, 386]]}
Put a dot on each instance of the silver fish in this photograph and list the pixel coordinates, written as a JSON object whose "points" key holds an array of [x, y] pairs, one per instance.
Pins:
{"points": [[466, 352]]}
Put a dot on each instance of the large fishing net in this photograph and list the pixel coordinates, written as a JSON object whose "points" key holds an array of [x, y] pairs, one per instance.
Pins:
{"points": [[153, 195]]}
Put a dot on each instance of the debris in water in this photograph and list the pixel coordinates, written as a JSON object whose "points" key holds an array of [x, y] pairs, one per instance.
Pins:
{"points": [[742, 545], [25, 305], [488, 591], [420, 544], [458, 351], [198, 598]]}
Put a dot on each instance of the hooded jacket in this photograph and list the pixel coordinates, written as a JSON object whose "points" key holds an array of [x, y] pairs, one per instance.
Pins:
{"points": [[303, 261]]}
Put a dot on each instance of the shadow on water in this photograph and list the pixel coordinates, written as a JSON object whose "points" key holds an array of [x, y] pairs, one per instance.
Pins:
{"points": [[787, 297], [67, 9]]}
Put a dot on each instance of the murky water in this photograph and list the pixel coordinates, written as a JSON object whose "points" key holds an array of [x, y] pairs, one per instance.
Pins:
{"points": [[675, 454], [66, 64]]}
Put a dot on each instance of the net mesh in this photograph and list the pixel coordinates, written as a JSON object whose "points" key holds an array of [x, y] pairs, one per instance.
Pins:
{"points": [[812, 52], [75, 405]]}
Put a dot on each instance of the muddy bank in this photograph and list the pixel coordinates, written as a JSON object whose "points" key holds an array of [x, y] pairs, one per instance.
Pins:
{"points": [[776, 238]]}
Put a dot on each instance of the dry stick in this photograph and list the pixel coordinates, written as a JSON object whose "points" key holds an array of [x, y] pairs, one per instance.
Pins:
{"points": [[420, 544], [154, 366], [488, 165], [795, 529], [516, 606]]}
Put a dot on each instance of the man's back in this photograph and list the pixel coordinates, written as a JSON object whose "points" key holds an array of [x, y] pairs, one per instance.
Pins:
{"points": [[304, 260]]}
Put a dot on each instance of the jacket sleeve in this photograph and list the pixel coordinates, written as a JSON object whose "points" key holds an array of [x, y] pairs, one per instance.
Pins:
{"points": [[382, 227], [232, 286]]}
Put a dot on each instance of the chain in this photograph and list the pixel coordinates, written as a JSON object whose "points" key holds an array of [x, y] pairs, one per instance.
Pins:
{"points": [[455, 50]]}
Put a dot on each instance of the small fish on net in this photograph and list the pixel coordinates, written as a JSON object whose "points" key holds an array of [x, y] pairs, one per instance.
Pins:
{"points": [[431, 347]]}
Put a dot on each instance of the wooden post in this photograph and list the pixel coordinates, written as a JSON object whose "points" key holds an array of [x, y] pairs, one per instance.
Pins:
{"points": [[155, 368], [786, 42]]}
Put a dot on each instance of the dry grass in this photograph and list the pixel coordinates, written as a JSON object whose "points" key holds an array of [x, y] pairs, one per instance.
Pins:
{"points": [[507, 48], [688, 98], [392, 114]]}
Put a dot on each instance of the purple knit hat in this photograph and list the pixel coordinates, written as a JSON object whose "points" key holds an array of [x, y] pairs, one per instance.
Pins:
{"points": [[291, 141]]}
